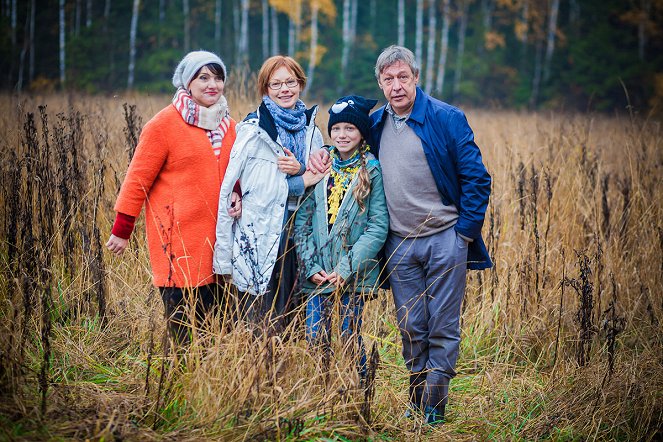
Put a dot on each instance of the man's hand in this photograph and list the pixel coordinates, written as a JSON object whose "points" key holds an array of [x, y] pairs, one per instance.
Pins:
{"points": [[319, 162], [235, 209], [117, 245], [288, 164]]}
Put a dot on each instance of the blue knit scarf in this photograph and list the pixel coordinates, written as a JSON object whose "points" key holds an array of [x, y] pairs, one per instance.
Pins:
{"points": [[290, 125]]}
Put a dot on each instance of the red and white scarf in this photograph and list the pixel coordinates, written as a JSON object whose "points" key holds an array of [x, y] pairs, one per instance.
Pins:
{"points": [[214, 119]]}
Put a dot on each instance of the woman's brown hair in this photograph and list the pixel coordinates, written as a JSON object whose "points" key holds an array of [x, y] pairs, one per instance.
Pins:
{"points": [[272, 64]]}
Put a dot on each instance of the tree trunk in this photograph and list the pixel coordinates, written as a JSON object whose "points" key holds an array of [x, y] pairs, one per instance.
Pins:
{"points": [[487, 7], [460, 51], [536, 80], [186, 13], [642, 28], [13, 23], [345, 50], [444, 48], [314, 44], [430, 52], [63, 77], [401, 22], [31, 68], [265, 29], [217, 26], [419, 31], [88, 16], [77, 18], [275, 31], [24, 50], [550, 40], [243, 55], [132, 44]]}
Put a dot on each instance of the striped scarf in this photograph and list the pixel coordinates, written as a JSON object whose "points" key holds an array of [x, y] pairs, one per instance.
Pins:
{"points": [[214, 119]]}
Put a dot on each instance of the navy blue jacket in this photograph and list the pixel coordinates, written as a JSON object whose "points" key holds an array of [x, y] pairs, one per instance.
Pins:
{"points": [[455, 161]]}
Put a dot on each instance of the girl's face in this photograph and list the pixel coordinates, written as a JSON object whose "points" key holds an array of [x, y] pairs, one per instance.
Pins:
{"points": [[346, 138], [283, 88], [207, 88]]}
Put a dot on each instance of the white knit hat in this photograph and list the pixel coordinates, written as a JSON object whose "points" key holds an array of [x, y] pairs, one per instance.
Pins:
{"points": [[191, 63]]}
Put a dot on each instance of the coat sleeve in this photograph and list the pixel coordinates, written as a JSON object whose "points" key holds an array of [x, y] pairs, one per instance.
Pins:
{"points": [[150, 156], [223, 248], [305, 241], [473, 178], [374, 236]]}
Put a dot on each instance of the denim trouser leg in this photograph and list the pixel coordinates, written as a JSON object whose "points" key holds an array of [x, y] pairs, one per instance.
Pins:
{"points": [[427, 277]]}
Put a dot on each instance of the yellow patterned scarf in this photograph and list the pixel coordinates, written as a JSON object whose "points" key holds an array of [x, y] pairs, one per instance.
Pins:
{"points": [[342, 174]]}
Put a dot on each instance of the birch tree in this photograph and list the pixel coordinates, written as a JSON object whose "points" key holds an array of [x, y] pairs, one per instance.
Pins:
{"points": [[62, 44], [31, 65], [550, 40], [275, 31], [186, 14], [444, 47], [88, 16], [430, 52], [349, 31], [460, 50], [243, 45], [265, 29], [401, 22], [419, 30], [313, 52], [217, 25], [132, 44]]}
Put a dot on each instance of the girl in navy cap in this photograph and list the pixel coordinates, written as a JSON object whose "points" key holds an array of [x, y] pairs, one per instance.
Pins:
{"points": [[341, 226]]}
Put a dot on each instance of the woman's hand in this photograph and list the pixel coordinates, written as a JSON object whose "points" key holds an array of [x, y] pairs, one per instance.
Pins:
{"points": [[235, 209], [117, 245], [288, 164], [319, 278], [311, 179], [319, 162]]}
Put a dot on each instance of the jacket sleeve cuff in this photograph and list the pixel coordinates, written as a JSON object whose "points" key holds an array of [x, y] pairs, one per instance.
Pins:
{"points": [[124, 225], [313, 270], [295, 185]]}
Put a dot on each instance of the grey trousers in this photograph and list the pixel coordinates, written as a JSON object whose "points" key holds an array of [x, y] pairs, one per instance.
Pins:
{"points": [[427, 276]]}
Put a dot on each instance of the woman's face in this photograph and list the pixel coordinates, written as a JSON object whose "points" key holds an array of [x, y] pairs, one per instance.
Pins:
{"points": [[346, 138], [283, 88], [206, 88]]}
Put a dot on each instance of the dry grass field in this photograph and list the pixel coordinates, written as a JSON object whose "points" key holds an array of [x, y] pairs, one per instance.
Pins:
{"points": [[562, 339]]}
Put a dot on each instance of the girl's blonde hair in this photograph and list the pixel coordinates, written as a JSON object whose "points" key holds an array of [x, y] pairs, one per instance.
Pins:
{"points": [[363, 187]]}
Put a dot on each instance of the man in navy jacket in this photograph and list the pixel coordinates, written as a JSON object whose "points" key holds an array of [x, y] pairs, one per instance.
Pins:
{"points": [[437, 190]]}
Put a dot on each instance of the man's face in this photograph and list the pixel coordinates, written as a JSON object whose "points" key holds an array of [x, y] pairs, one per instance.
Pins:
{"points": [[399, 84]]}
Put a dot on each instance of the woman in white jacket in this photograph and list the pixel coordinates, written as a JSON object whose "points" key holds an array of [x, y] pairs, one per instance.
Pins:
{"points": [[269, 159]]}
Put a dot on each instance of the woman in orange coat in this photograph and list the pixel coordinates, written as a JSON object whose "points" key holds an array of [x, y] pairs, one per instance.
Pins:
{"points": [[177, 170]]}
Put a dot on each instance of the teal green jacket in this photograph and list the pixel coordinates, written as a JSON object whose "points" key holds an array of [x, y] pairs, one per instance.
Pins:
{"points": [[350, 248]]}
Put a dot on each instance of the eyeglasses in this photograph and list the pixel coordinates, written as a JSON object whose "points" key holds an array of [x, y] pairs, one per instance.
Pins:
{"points": [[402, 79], [277, 85]]}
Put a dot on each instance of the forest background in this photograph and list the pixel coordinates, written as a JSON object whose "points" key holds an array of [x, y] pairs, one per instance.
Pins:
{"points": [[563, 54]]}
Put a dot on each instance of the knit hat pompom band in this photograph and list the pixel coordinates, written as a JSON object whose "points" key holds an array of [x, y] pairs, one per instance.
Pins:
{"points": [[192, 63], [352, 109]]}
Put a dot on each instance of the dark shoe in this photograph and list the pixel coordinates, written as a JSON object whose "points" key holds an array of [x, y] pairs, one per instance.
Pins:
{"points": [[435, 415]]}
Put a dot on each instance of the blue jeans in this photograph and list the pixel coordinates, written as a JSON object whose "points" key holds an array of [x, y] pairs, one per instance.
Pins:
{"points": [[318, 320]]}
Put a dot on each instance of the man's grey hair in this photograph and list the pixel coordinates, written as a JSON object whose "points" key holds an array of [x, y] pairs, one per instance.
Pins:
{"points": [[394, 54]]}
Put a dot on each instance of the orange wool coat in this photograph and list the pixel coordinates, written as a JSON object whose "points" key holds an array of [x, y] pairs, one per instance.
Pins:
{"points": [[176, 174]]}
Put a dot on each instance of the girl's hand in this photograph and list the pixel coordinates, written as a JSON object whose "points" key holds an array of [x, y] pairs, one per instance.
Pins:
{"points": [[288, 164], [333, 278], [319, 278], [117, 245], [319, 162], [235, 209]]}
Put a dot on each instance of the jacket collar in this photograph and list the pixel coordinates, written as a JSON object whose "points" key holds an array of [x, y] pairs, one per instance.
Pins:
{"points": [[266, 120]]}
